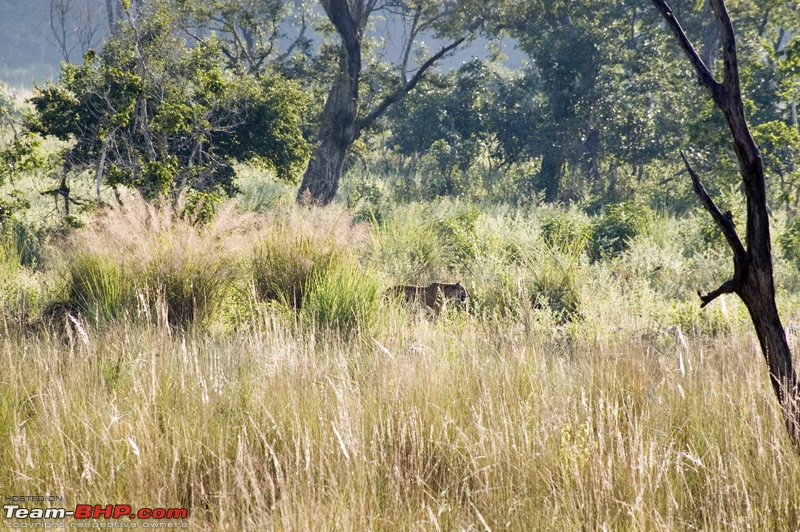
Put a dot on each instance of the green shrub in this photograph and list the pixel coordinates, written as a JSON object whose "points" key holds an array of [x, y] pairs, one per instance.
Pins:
{"points": [[789, 242], [554, 287], [342, 297], [298, 246], [565, 233], [139, 258], [713, 320], [457, 231], [21, 287], [615, 226], [500, 292], [554, 272], [410, 249]]}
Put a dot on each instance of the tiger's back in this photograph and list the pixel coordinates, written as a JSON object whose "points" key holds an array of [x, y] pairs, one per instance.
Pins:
{"points": [[432, 297]]}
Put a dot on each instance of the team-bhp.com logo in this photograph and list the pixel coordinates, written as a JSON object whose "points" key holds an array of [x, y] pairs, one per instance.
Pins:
{"points": [[89, 511]]}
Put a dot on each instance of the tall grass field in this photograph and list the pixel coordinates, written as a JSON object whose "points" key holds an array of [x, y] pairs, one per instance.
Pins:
{"points": [[251, 370]]}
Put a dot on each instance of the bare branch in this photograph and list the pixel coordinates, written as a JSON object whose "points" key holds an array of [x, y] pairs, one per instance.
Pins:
{"points": [[703, 74], [300, 36], [409, 85], [412, 35], [723, 221], [728, 287]]}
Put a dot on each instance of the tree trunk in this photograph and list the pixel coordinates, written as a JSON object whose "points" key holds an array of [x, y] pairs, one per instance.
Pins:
{"points": [[549, 179], [338, 131], [340, 124], [338, 127], [752, 278]]}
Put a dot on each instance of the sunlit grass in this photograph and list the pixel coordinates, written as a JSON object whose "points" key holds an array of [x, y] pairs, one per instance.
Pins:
{"points": [[353, 412], [447, 424]]}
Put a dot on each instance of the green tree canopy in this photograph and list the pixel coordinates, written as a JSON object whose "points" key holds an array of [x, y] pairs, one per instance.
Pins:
{"points": [[154, 113]]}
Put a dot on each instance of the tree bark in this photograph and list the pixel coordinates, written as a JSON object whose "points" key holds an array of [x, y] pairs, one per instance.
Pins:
{"points": [[752, 278], [340, 124], [338, 128], [549, 179]]}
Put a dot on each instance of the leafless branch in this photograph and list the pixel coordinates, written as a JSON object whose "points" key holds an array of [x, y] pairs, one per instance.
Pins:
{"points": [[703, 74], [300, 36], [728, 287], [409, 85], [723, 221]]}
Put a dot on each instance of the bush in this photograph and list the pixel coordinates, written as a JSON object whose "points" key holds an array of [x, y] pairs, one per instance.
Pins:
{"points": [[557, 291], [457, 231], [615, 226], [789, 242], [189, 278], [21, 287], [283, 266], [554, 284], [565, 233], [342, 298], [297, 247], [139, 254], [410, 249]]}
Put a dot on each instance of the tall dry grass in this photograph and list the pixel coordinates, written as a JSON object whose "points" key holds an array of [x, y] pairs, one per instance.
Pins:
{"points": [[644, 412], [446, 425], [138, 260]]}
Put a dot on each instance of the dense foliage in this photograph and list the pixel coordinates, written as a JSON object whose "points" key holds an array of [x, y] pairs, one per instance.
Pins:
{"points": [[591, 107], [152, 113]]}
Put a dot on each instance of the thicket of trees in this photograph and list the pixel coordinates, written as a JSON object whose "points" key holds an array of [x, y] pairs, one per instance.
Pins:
{"points": [[179, 90]]}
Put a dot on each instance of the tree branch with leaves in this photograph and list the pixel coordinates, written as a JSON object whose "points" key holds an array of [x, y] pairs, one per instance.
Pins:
{"points": [[341, 123]]}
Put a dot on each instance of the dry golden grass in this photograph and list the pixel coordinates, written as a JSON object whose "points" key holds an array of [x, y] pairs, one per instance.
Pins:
{"points": [[447, 425], [646, 414]]}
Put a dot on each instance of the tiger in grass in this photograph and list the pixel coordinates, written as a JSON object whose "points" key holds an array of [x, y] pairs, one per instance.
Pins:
{"points": [[431, 298]]}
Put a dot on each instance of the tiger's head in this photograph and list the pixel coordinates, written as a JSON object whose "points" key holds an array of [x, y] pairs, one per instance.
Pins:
{"points": [[461, 293]]}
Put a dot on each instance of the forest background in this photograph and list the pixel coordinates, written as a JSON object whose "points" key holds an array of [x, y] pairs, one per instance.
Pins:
{"points": [[202, 203]]}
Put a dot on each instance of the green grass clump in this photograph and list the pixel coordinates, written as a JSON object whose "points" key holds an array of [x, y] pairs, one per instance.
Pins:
{"points": [[296, 247], [342, 297], [284, 264], [190, 279], [100, 287], [21, 289]]}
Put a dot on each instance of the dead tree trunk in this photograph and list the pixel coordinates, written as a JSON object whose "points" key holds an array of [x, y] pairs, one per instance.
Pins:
{"points": [[752, 277]]}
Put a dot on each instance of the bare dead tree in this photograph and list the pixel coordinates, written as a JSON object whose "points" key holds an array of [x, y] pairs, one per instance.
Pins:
{"points": [[73, 25], [752, 277], [60, 13]]}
